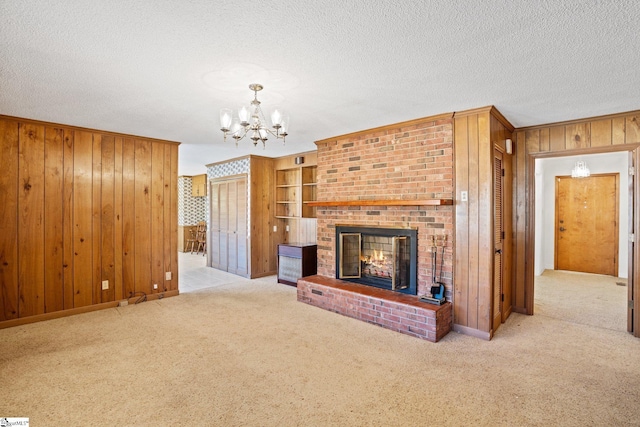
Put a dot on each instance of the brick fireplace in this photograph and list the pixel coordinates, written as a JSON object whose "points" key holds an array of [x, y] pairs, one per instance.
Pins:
{"points": [[398, 176]]}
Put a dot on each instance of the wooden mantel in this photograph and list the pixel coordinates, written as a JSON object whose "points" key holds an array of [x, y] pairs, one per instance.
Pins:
{"points": [[395, 202]]}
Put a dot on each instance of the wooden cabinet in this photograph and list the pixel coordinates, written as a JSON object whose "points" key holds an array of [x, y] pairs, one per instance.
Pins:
{"points": [[296, 260], [199, 185]]}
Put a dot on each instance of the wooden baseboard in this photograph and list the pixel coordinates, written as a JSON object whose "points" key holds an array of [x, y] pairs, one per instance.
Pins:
{"points": [[72, 311], [465, 330]]}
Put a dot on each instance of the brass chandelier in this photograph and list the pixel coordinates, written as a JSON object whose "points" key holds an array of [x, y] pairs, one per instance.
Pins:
{"points": [[249, 120]]}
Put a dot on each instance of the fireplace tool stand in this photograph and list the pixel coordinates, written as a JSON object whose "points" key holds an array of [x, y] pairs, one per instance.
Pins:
{"points": [[437, 287]]}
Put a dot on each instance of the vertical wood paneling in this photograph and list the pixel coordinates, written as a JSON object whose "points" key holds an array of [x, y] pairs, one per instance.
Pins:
{"points": [[9, 131], [82, 218], [157, 215], [632, 128], [533, 140], [53, 221], [142, 230], [578, 136], [118, 286], [128, 217], [31, 220], [520, 221], [485, 222], [169, 183], [107, 220], [67, 220], [70, 214], [601, 133], [544, 140], [618, 130], [557, 138], [461, 290], [474, 175], [173, 220], [95, 218]]}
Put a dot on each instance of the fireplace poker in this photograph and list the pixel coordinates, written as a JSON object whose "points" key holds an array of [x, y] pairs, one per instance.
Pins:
{"points": [[434, 260]]}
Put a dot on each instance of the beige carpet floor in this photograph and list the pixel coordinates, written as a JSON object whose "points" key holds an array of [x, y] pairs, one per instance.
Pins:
{"points": [[246, 353]]}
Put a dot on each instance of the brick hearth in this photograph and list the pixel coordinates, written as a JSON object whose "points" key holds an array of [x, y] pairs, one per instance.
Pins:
{"points": [[391, 310]]}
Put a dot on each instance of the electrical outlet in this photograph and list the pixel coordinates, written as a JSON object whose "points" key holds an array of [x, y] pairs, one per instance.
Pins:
{"points": [[155, 286], [286, 228], [167, 275], [275, 228], [105, 285], [464, 196]]}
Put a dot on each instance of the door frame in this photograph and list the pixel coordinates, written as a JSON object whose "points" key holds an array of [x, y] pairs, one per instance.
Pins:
{"points": [[634, 227]]}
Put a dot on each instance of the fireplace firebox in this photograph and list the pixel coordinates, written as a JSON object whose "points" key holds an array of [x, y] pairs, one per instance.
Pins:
{"points": [[382, 257]]}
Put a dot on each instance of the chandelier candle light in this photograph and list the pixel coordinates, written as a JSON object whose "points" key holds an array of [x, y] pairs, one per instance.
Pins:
{"points": [[580, 170], [250, 121]]}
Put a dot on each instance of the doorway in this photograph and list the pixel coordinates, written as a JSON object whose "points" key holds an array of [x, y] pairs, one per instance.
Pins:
{"points": [[546, 224]]}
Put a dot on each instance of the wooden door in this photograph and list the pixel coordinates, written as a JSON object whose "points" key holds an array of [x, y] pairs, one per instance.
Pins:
{"points": [[498, 227], [586, 237]]}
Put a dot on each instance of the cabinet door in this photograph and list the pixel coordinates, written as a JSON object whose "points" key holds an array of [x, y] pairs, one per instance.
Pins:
{"points": [[199, 185]]}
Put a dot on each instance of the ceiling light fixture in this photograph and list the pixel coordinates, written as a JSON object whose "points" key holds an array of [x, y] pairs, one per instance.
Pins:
{"points": [[580, 170], [250, 121]]}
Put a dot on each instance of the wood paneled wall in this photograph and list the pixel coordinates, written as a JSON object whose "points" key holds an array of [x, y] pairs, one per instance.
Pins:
{"points": [[78, 207], [618, 132], [262, 217], [476, 133]]}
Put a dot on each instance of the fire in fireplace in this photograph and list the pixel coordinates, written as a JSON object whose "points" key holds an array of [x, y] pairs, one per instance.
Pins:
{"points": [[381, 257]]}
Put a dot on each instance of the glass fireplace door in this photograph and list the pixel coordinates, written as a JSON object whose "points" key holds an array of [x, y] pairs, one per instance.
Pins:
{"points": [[350, 266]]}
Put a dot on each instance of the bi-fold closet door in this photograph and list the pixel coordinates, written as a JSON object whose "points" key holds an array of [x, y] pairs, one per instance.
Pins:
{"points": [[228, 247]]}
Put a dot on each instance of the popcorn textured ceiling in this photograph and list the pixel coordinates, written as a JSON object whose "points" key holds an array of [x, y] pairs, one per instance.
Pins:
{"points": [[164, 68]]}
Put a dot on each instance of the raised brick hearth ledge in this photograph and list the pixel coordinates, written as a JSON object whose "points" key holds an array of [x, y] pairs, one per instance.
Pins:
{"points": [[391, 310]]}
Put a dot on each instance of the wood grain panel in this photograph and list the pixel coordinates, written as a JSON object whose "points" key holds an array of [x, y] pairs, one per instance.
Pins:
{"points": [[53, 221], [578, 136], [31, 220], [82, 218], [64, 203], [128, 217], [157, 216], [532, 138], [485, 223], [67, 220], [107, 222], [167, 214], [601, 133], [632, 129], [461, 290], [9, 137], [474, 217], [520, 222], [96, 192], [118, 288], [142, 203], [174, 267], [618, 130], [544, 140], [557, 139]]}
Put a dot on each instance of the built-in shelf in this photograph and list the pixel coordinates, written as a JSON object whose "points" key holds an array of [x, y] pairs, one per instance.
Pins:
{"points": [[427, 202]]}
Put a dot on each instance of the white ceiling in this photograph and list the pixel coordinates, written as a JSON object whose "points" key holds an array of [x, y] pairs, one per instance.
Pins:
{"points": [[164, 68]]}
